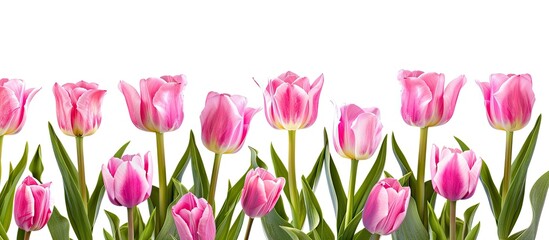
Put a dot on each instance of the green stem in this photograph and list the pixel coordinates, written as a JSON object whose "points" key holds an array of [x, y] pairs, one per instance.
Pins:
{"points": [[420, 188], [1, 143], [507, 170], [352, 180], [27, 235], [452, 220], [213, 181], [162, 200], [375, 236], [292, 184], [82, 170], [130, 224], [249, 229]]}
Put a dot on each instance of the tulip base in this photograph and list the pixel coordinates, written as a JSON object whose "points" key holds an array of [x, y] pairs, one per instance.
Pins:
{"points": [[249, 228], [375, 236]]}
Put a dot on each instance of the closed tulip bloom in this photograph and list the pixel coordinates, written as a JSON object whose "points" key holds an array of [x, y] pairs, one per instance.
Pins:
{"points": [[15, 100], [291, 102], [454, 173], [128, 181], [357, 133], [509, 100], [32, 205], [78, 107], [159, 108], [225, 121], [260, 193], [425, 101], [386, 207], [194, 218]]}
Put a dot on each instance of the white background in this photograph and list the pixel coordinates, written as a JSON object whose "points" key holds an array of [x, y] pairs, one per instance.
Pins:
{"points": [[221, 46]]}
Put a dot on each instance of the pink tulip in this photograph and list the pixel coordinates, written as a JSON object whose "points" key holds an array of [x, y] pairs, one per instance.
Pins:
{"points": [[225, 121], [454, 173], [78, 107], [194, 218], [159, 108], [425, 102], [291, 103], [357, 133], [128, 181], [386, 207], [260, 193], [32, 205], [14, 103], [509, 100]]}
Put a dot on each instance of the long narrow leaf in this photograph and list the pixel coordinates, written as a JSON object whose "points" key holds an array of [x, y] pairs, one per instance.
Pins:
{"points": [[339, 199], [8, 191], [538, 195], [411, 227], [280, 170], [59, 226]]}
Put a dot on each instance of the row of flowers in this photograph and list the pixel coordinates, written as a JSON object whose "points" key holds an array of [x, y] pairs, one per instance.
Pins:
{"points": [[291, 103]]}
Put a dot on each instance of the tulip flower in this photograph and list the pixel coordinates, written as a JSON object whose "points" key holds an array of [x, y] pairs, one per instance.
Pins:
{"points": [[385, 207], [454, 175], [194, 218], [32, 207], [13, 107], [158, 109], [291, 103], [426, 103], [78, 107]]}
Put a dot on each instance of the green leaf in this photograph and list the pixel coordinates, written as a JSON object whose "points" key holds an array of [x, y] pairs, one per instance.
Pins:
{"points": [[436, 229], [168, 229], [36, 167], [469, 216], [280, 170], [538, 195], [273, 223], [148, 231], [106, 235], [337, 193], [401, 159], [371, 179], [362, 235], [58, 226], [8, 191], [474, 233], [115, 224], [3, 234], [411, 227], [314, 212], [181, 167], [75, 207], [237, 227], [314, 175], [512, 206], [201, 182], [404, 179], [295, 234], [349, 231], [255, 161]]}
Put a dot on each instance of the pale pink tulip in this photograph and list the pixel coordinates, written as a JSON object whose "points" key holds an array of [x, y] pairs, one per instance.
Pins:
{"points": [[159, 108], [78, 107], [260, 193], [357, 132], [32, 207], [425, 102], [14, 103], [454, 173], [194, 218], [509, 100], [291, 102], [225, 121], [128, 181], [386, 207]]}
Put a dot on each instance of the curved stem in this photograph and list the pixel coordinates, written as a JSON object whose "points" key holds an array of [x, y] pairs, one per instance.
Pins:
{"points": [[292, 184], [249, 228], [507, 170], [162, 200], [27, 235], [350, 199], [420, 187], [213, 181], [82, 170], [130, 224], [1, 143], [452, 220]]}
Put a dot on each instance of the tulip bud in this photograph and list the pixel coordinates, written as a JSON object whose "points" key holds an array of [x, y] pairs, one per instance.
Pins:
{"points": [[128, 181], [32, 207], [260, 193], [14, 105], [386, 207], [194, 218]]}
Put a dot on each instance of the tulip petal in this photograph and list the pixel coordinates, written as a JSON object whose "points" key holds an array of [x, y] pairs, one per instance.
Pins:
{"points": [[23, 207], [290, 105], [367, 131], [416, 96], [452, 177], [450, 97], [133, 101], [9, 105], [41, 196], [376, 208], [108, 181], [130, 185], [206, 226], [168, 103], [89, 109], [314, 98]]}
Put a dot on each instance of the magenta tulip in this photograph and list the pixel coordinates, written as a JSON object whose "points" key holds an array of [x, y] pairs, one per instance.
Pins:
{"points": [[386, 207], [425, 102], [159, 108], [454, 173], [78, 107], [128, 181], [260, 193], [225, 121], [32, 207], [357, 133], [509, 100], [14, 104], [291, 103], [194, 218]]}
